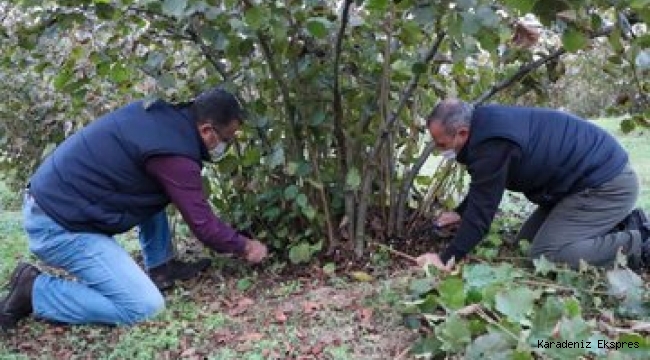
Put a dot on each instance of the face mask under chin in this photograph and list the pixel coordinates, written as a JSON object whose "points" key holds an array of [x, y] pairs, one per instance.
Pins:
{"points": [[448, 154], [218, 151]]}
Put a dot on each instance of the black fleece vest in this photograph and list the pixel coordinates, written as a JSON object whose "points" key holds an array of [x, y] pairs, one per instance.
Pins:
{"points": [[561, 153], [95, 181]]}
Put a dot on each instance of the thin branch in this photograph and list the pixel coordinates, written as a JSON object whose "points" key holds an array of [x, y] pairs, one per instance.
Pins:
{"points": [[369, 169], [394, 252], [408, 183], [338, 102], [344, 157], [207, 51], [332, 239], [527, 68]]}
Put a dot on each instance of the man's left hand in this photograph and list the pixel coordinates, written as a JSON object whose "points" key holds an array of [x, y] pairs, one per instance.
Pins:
{"points": [[434, 259]]}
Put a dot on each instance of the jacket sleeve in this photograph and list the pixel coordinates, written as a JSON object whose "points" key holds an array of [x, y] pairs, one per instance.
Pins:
{"points": [[488, 169], [180, 177]]}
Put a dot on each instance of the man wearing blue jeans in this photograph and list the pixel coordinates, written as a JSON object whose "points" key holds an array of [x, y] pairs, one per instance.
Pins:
{"points": [[119, 172], [577, 174]]}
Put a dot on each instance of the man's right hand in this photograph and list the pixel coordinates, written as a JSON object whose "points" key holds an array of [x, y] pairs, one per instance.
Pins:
{"points": [[255, 251], [448, 219]]}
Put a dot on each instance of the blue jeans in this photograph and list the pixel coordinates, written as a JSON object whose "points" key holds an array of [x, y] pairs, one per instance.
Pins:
{"points": [[110, 288]]}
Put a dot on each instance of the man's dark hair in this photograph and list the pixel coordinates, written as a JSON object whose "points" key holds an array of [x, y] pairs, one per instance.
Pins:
{"points": [[216, 106], [452, 114]]}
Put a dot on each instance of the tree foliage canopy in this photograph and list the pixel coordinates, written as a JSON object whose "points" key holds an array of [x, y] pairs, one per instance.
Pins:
{"points": [[336, 91]]}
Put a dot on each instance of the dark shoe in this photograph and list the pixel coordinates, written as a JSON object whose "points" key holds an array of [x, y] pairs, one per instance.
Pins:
{"points": [[166, 274], [636, 220], [18, 303]]}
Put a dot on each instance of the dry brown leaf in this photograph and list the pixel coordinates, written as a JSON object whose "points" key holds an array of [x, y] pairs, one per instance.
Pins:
{"points": [[365, 315], [469, 310], [190, 352], [317, 349], [242, 305], [254, 336], [223, 336], [309, 307], [280, 316]]}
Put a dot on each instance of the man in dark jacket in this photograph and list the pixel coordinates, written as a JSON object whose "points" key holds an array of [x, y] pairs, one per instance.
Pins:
{"points": [[577, 174], [119, 172]]}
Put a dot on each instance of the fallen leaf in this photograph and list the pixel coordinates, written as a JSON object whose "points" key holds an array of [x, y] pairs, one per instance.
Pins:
{"points": [[365, 315], [469, 310], [317, 349], [280, 316], [309, 307], [223, 336], [361, 276], [188, 352], [254, 336], [242, 305]]}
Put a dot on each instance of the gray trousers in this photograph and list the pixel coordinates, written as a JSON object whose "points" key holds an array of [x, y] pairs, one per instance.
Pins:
{"points": [[580, 226]]}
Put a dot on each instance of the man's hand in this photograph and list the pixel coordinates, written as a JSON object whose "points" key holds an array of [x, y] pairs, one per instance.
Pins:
{"points": [[434, 259], [255, 251], [448, 219]]}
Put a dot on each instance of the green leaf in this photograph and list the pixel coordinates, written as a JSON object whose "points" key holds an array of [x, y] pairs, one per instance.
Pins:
{"points": [[244, 284], [495, 345], [419, 287], [545, 319], [454, 334], [291, 192], [300, 253], [174, 8], [105, 11], [516, 303], [427, 347], [353, 179], [277, 157], [543, 266], [301, 200], [419, 68], [642, 60], [62, 79], [643, 343], [309, 212], [547, 9], [255, 18], [318, 27], [628, 288], [377, 5], [623, 282], [627, 126], [481, 275], [452, 293], [318, 118], [522, 6], [120, 73], [574, 40], [573, 329], [329, 268]]}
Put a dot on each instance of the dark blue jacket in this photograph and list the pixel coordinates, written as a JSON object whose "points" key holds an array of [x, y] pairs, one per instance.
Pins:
{"points": [[95, 181], [561, 153]]}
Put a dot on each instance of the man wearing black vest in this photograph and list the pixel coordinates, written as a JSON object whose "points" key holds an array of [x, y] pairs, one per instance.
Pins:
{"points": [[577, 174], [119, 172]]}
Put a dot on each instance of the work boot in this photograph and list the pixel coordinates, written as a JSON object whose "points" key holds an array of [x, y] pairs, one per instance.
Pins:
{"points": [[166, 274], [18, 303], [636, 220]]}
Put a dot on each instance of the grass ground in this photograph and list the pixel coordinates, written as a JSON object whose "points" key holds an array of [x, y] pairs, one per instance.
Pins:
{"points": [[235, 312]]}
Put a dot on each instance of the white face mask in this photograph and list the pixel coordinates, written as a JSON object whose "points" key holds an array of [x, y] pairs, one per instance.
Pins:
{"points": [[448, 154], [219, 151]]}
